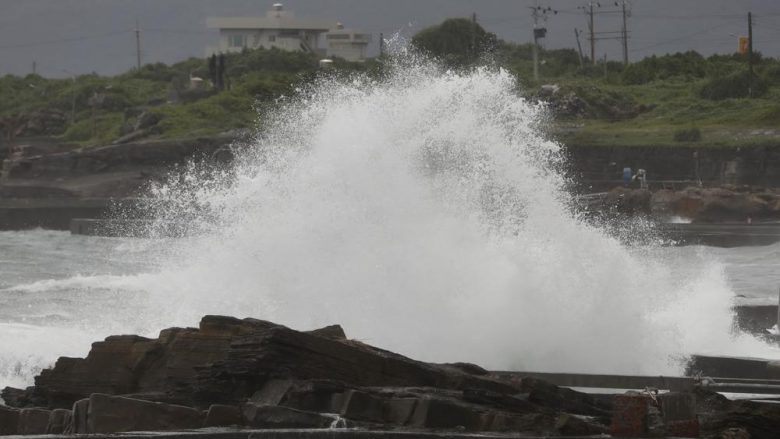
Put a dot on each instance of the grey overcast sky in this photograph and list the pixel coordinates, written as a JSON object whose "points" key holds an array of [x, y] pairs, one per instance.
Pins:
{"points": [[83, 36]]}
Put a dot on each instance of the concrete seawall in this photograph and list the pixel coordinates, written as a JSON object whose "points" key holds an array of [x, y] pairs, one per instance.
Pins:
{"points": [[602, 166], [55, 214]]}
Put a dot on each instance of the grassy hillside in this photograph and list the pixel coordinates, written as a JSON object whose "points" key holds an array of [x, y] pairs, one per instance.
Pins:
{"points": [[94, 109], [667, 100]]}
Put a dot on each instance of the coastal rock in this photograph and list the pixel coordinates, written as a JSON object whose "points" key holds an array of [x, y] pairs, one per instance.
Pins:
{"points": [[79, 418], [114, 414], [276, 352], [628, 201], [33, 421], [9, 420], [444, 413], [259, 374], [59, 421], [227, 360], [223, 416], [268, 416]]}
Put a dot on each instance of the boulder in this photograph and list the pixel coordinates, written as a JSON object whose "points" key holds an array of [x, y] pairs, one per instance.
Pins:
{"points": [[223, 416], [164, 368], [273, 392], [268, 416], [274, 351], [313, 395], [18, 398], [575, 425], [335, 332], [544, 394], [59, 421], [628, 201], [79, 418], [115, 414], [361, 406], [9, 420], [147, 120], [33, 421], [445, 413]]}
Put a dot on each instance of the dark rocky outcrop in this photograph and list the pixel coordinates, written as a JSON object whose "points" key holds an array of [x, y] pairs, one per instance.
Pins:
{"points": [[9, 421], [263, 375], [59, 421], [727, 204], [256, 374], [112, 414], [33, 421]]}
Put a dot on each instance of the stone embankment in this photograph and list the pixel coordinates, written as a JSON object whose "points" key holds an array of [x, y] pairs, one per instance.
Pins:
{"points": [[742, 204], [49, 186], [252, 374]]}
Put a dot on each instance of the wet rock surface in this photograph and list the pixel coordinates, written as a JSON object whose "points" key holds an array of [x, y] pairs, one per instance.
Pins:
{"points": [[727, 204], [259, 375]]}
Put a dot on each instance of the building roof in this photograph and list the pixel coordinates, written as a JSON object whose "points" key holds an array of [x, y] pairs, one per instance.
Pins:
{"points": [[269, 23]]}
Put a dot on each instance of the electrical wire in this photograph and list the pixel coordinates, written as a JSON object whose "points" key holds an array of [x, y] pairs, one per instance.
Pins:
{"points": [[66, 40]]}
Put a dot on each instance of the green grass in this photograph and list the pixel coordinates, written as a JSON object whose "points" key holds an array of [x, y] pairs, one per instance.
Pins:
{"points": [[668, 89], [674, 105]]}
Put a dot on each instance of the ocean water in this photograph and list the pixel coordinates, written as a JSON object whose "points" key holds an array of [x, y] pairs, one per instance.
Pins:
{"points": [[424, 211]]}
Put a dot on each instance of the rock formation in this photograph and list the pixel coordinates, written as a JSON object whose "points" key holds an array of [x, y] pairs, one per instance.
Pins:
{"points": [[256, 374], [700, 205]]}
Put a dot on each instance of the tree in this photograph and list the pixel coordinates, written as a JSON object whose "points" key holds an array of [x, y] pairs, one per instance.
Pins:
{"points": [[456, 41]]}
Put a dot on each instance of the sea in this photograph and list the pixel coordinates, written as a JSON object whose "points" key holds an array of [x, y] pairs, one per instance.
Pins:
{"points": [[425, 211]]}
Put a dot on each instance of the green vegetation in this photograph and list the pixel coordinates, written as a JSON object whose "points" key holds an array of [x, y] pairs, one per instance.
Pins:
{"points": [[687, 135], [456, 41], [660, 100], [94, 110]]}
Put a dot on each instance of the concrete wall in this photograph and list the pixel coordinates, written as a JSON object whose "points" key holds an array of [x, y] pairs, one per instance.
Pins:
{"points": [[600, 165]]}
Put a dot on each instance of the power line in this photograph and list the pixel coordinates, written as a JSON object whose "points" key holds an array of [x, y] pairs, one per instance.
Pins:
{"points": [[684, 37], [65, 40], [180, 31], [591, 12]]}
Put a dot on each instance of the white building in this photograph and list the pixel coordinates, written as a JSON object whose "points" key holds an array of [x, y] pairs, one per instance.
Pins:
{"points": [[282, 30], [347, 43]]}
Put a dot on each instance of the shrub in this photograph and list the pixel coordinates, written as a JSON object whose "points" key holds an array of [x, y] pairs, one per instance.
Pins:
{"points": [[456, 41], [687, 65], [738, 85], [687, 135]]}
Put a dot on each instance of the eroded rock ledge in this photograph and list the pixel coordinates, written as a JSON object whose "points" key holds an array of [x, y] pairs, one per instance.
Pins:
{"points": [[259, 375]]}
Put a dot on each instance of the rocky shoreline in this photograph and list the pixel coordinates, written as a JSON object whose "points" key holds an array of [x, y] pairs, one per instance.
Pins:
{"points": [[723, 204], [253, 374]]}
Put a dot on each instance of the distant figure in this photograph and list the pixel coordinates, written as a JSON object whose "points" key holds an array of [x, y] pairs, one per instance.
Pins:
{"points": [[749, 220], [627, 176], [641, 177]]}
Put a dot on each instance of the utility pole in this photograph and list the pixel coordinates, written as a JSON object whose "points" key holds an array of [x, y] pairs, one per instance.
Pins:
{"points": [[625, 35], [621, 35], [579, 46], [34, 68], [381, 44], [474, 35], [592, 35], [538, 12], [750, 54], [137, 45], [535, 48]]}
